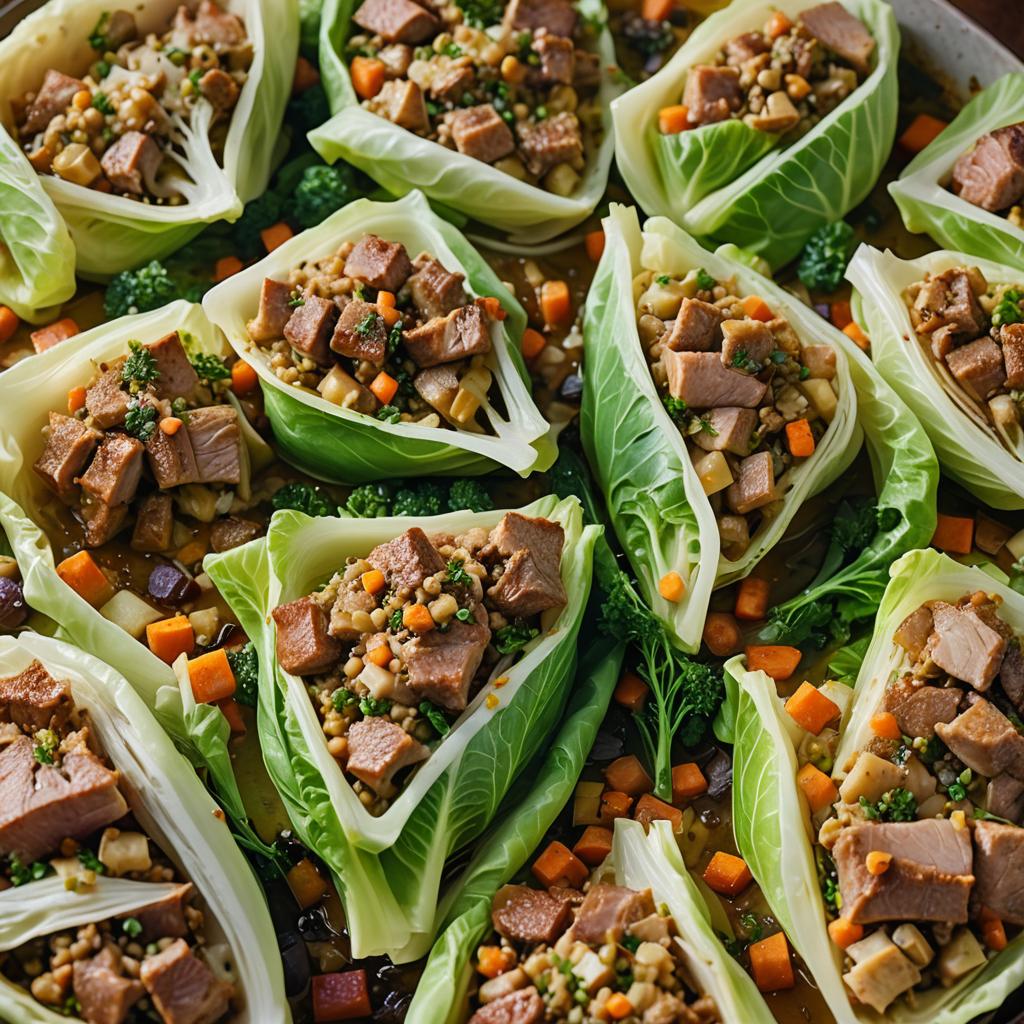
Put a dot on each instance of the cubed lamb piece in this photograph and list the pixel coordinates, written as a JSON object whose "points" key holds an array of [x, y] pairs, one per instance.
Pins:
{"points": [[445, 339], [1011, 674], [41, 804], [745, 342], [131, 163], [171, 459], [33, 699], [54, 97], [524, 1006], [820, 361], [913, 632], [219, 89], [702, 382], [396, 59], [304, 645], [834, 27], [210, 24], [978, 367], [166, 917], [407, 560], [919, 713], [712, 93], [965, 645], [183, 989], [436, 291], [177, 376], [309, 328], [742, 47], [114, 473], [608, 910], [441, 666], [69, 443], [380, 264], [985, 740], [437, 386], [754, 486], [528, 586], [695, 328], [217, 444], [948, 300], [274, 312], [154, 524], [481, 133], [102, 522], [731, 430], [361, 333], [450, 85], [991, 175], [1012, 338], [999, 870], [555, 140], [377, 749], [1004, 797], [232, 532], [559, 17], [522, 914], [928, 879], [402, 102], [105, 401], [396, 21], [543, 538], [557, 59], [104, 995]]}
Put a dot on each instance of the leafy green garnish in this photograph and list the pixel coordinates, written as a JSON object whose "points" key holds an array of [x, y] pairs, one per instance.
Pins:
{"points": [[138, 291], [705, 282], [395, 622], [662, 279], [435, 716], [303, 497], [140, 421], [481, 13], [46, 743], [395, 337], [90, 861], [895, 805], [1008, 309], [21, 873], [513, 637], [457, 573], [246, 667], [343, 698], [824, 257], [372, 707], [675, 407], [420, 498], [209, 368], [139, 368], [389, 413], [132, 927], [368, 324]]}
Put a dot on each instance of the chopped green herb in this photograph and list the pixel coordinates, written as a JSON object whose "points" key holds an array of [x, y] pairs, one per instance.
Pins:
{"points": [[368, 324], [395, 622], [90, 861], [389, 413], [372, 707], [194, 76], [98, 36], [303, 497], [513, 637], [395, 337], [139, 368], [1008, 309], [675, 407], [343, 698], [706, 428], [208, 367], [140, 421], [435, 716], [246, 668], [705, 282], [452, 50], [132, 927], [102, 103], [457, 573], [23, 873], [662, 279], [46, 743], [804, 372], [895, 805]]}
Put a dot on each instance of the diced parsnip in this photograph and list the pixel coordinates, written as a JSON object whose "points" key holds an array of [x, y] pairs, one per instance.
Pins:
{"points": [[478, 381], [197, 501], [1015, 545], [714, 472], [339, 388], [693, 841], [205, 624], [919, 780], [663, 300], [962, 954], [123, 852], [933, 806], [592, 972], [881, 978], [464, 406], [839, 693], [870, 778], [379, 681], [562, 180], [821, 396], [909, 938], [130, 612], [586, 803], [875, 942], [9, 568]]}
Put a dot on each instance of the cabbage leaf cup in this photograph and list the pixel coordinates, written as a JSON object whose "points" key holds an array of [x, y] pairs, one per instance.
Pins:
{"points": [[111, 233], [176, 812], [345, 446], [729, 182]]}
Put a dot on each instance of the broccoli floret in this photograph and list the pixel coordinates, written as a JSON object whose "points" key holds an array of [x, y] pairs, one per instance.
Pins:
{"points": [[138, 291], [369, 501], [303, 498], [309, 109], [823, 261], [321, 191], [423, 498], [263, 211], [246, 667], [469, 494]]}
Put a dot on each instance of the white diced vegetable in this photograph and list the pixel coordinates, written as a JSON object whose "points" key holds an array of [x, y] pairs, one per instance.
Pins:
{"points": [[205, 624], [881, 978], [379, 681], [1015, 545], [124, 852], [714, 472], [961, 955], [694, 839], [130, 612], [909, 938], [839, 693], [820, 394], [592, 972], [870, 777]]}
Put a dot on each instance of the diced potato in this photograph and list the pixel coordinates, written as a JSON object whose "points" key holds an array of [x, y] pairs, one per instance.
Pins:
{"points": [[130, 612], [124, 852], [881, 978], [197, 501], [652, 928], [379, 681], [919, 780], [78, 164], [961, 955], [821, 396], [932, 806], [502, 985], [339, 388], [642, 995], [875, 942], [586, 803], [592, 973], [562, 180], [714, 472], [205, 624], [1015, 545], [464, 406], [662, 300], [909, 938], [870, 777], [694, 839]]}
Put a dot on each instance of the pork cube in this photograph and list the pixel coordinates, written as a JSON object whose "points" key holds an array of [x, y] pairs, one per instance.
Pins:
{"points": [[523, 1006], [543, 538], [913, 632], [991, 175], [402, 101], [523, 914], [104, 995], [304, 645], [171, 459], [608, 910], [1012, 338], [557, 59], [166, 917], [436, 291], [377, 749], [69, 443], [451, 84], [985, 740], [695, 328], [441, 666], [102, 522], [274, 312], [233, 531], [557, 16], [1004, 797], [746, 342], [842, 33], [54, 97], [729, 430], [183, 989], [216, 443], [481, 133], [177, 377], [309, 328], [445, 339], [396, 21], [754, 486], [114, 473], [919, 713], [528, 586], [820, 361], [702, 382], [33, 699], [154, 524], [380, 264], [219, 89], [742, 47], [712, 93], [1011, 674], [361, 333], [105, 400], [978, 367], [555, 140], [965, 645], [407, 560], [948, 300], [131, 163], [999, 870]]}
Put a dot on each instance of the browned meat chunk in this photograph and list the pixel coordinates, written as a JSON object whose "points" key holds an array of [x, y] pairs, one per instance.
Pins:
{"points": [[557, 16], [754, 486], [978, 367], [522, 914], [702, 382], [543, 538], [743, 47], [210, 24], [309, 328], [402, 102], [445, 339], [274, 312], [219, 88], [377, 749], [555, 140], [434, 290], [102, 521], [731, 430], [407, 560], [396, 21], [166, 917], [154, 524], [999, 870], [33, 699], [442, 665], [842, 33], [947, 300], [114, 473], [481, 133], [41, 804], [216, 443], [992, 174], [105, 401], [608, 910], [361, 333], [557, 59], [53, 98], [965, 645], [69, 443], [131, 162], [928, 879], [1011, 675], [396, 58], [985, 740], [177, 377], [438, 386], [183, 989], [104, 994], [523, 1006], [304, 646], [1012, 338], [171, 459], [712, 93], [820, 361], [913, 632], [527, 586], [925, 707], [380, 264], [1004, 797], [450, 85], [231, 532], [695, 328], [745, 342]]}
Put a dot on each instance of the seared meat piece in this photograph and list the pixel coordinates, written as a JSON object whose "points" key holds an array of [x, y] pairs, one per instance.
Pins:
{"points": [[102, 521], [53, 98], [978, 367], [402, 102], [608, 910], [985, 740], [69, 443], [965, 645], [754, 486], [732, 429], [377, 749], [309, 328], [217, 444], [183, 989], [947, 300], [438, 386], [171, 459], [407, 560], [1004, 797], [555, 140], [557, 59], [999, 869], [380, 264], [154, 524], [702, 382], [232, 531], [522, 914], [1011, 674], [361, 333], [33, 699], [304, 646], [210, 24], [178, 377], [820, 361], [434, 290], [105, 995], [695, 328], [131, 163], [524, 1006], [741, 48], [925, 707], [396, 21], [105, 401], [712, 94], [274, 312], [557, 16], [744, 342], [913, 632], [219, 88], [450, 85], [166, 917], [442, 665], [445, 339], [543, 538], [842, 33], [481, 133], [1012, 338], [528, 586], [114, 473], [992, 174]]}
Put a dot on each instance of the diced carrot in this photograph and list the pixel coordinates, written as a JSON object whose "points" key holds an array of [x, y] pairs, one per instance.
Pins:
{"points": [[192, 552], [800, 439], [810, 708], [626, 775], [533, 343], [777, 25], [594, 845], [373, 581], [341, 995], [233, 713], [884, 725], [845, 933], [673, 120], [778, 660], [722, 634], [555, 304], [631, 691], [384, 387], [170, 425], [558, 865], [819, 789], [76, 399], [954, 534], [756, 308], [877, 862], [9, 323], [727, 874], [992, 931], [770, 963], [225, 267], [649, 808], [921, 132], [593, 241], [243, 378], [170, 637], [367, 76], [386, 308], [54, 334], [688, 781], [840, 314], [492, 307], [752, 599], [306, 883], [493, 960], [211, 677], [857, 336], [380, 655], [417, 617], [276, 235], [656, 10], [81, 573], [618, 1006], [306, 76], [614, 805], [671, 587]]}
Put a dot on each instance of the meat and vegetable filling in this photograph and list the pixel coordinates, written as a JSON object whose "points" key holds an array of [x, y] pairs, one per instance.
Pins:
{"points": [[974, 331], [991, 175], [395, 645], [750, 399], [514, 88], [373, 331], [64, 813], [115, 129], [604, 953]]}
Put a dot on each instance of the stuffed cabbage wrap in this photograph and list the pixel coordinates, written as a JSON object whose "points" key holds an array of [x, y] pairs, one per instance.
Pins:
{"points": [[138, 126], [376, 366], [947, 335], [771, 121], [123, 896], [501, 113]]}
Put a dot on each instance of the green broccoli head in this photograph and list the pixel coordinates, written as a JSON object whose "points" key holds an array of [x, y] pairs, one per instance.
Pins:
{"points": [[321, 191], [138, 291], [369, 501], [246, 668], [304, 498], [309, 109], [471, 494], [263, 211], [824, 257], [420, 498]]}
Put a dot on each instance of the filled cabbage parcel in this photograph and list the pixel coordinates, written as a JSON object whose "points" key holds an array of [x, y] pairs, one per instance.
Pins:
{"points": [[498, 111], [122, 897], [948, 334], [718, 403], [770, 122], [387, 348]]}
